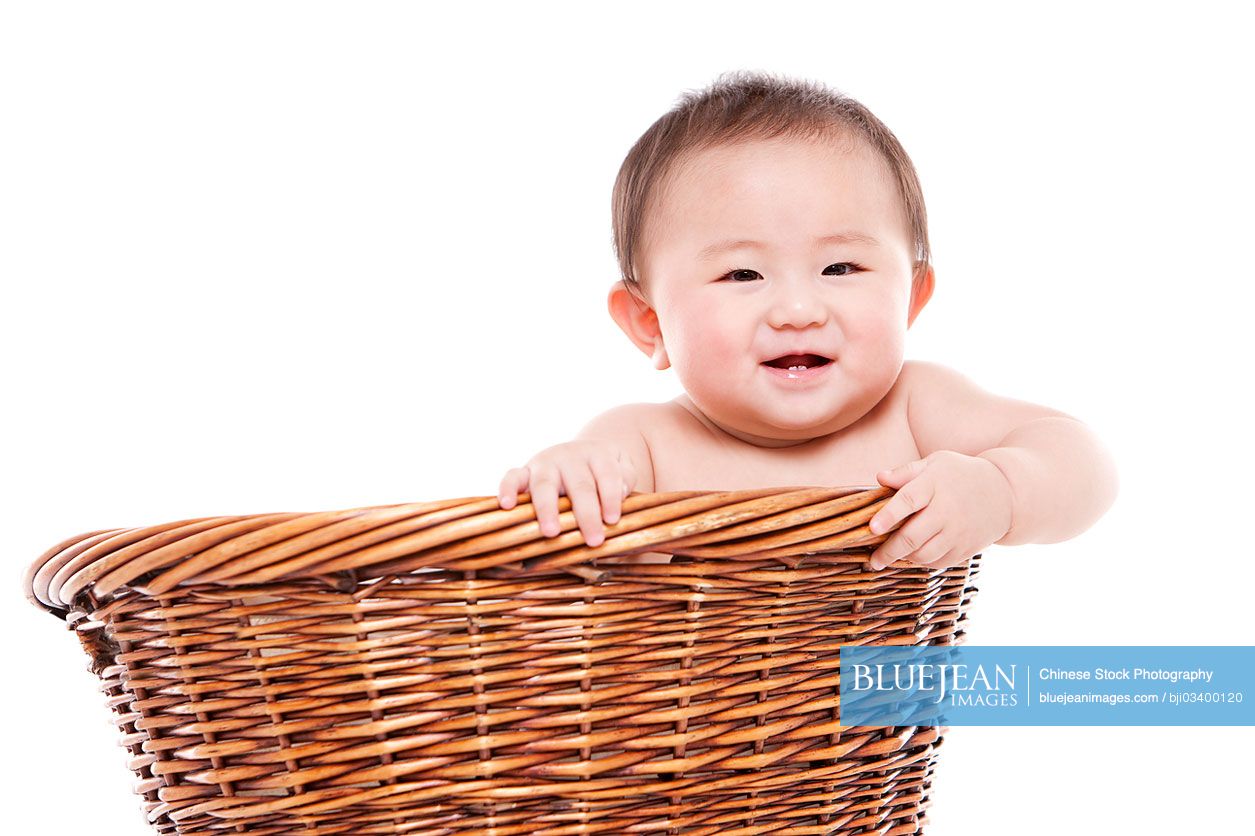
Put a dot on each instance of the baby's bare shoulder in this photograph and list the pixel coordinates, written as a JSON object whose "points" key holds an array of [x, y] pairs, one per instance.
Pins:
{"points": [[633, 419], [628, 426], [671, 441], [946, 410]]}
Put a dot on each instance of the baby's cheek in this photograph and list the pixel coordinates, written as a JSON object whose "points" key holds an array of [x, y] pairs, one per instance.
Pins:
{"points": [[706, 355], [877, 345], [709, 352]]}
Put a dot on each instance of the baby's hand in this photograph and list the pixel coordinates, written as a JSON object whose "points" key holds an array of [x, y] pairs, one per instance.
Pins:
{"points": [[596, 475], [957, 506]]}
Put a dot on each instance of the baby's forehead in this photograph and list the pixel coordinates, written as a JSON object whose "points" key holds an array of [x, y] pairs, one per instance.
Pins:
{"points": [[738, 184], [761, 170], [722, 156]]}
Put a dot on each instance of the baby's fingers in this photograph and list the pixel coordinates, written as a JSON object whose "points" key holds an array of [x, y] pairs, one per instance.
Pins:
{"points": [[514, 481], [581, 487], [932, 551], [905, 542], [615, 479], [912, 497], [544, 490], [954, 557]]}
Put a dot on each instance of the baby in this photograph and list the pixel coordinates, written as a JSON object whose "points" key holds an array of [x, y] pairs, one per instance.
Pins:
{"points": [[773, 245]]}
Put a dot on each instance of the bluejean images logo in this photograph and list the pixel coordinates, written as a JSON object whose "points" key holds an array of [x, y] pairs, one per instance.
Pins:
{"points": [[1051, 685]]}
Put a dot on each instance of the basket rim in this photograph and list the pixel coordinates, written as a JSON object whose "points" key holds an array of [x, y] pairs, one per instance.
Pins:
{"points": [[468, 534]]}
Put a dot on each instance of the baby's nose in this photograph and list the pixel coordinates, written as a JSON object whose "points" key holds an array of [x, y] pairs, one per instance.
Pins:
{"points": [[793, 305]]}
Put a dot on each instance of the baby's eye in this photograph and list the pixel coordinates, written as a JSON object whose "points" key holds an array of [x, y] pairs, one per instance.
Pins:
{"points": [[843, 268]]}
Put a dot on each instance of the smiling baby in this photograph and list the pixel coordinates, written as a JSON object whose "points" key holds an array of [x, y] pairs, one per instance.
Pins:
{"points": [[773, 245]]}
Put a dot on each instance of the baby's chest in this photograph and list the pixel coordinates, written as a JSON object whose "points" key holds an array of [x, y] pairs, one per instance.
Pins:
{"points": [[688, 458]]}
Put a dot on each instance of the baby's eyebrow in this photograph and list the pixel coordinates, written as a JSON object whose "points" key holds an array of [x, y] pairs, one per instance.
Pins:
{"points": [[738, 243]]}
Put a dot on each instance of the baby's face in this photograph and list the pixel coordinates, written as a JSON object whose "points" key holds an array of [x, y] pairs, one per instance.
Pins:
{"points": [[830, 275]]}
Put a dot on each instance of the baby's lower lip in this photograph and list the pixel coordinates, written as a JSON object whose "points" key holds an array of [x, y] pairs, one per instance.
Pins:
{"points": [[808, 373]]}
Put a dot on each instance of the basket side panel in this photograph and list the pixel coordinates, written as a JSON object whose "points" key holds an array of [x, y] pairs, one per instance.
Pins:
{"points": [[698, 697]]}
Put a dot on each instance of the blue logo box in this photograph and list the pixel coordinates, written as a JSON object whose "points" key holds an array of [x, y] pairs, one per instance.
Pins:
{"points": [[1047, 686]]}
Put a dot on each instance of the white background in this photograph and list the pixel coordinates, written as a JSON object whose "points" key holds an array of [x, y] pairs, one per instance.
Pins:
{"points": [[287, 257]]}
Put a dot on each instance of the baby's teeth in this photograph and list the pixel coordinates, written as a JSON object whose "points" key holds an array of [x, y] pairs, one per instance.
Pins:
{"points": [[797, 368]]}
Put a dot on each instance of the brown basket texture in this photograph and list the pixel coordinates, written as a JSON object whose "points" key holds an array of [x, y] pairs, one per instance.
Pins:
{"points": [[443, 668]]}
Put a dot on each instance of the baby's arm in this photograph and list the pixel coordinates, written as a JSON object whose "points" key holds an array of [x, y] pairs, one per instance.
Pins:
{"points": [[994, 470], [607, 459]]}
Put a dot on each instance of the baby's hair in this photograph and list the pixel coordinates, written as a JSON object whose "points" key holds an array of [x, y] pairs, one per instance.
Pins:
{"points": [[744, 105]]}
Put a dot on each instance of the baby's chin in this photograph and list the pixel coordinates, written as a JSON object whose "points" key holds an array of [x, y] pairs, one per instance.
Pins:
{"points": [[775, 421], [773, 430], [801, 431]]}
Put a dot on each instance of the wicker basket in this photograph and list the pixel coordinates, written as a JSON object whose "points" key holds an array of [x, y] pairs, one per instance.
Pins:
{"points": [[443, 668]]}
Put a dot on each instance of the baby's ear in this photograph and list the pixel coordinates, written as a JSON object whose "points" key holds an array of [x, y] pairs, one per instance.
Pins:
{"points": [[921, 290], [635, 317]]}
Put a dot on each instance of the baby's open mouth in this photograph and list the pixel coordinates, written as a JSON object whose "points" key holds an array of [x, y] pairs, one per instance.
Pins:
{"points": [[798, 362]]}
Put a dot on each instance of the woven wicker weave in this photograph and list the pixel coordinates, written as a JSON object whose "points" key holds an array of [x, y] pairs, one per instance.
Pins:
{"points": [[442, 668]]}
